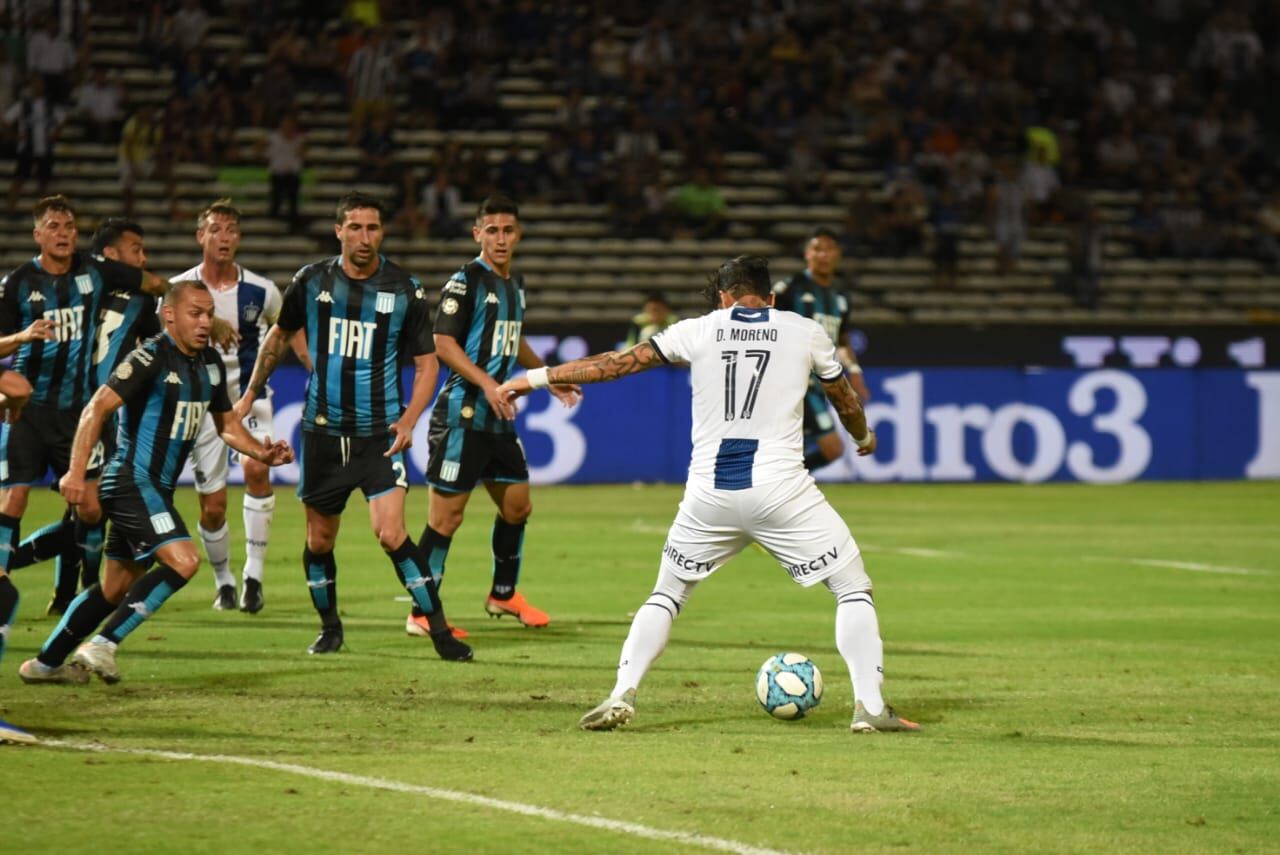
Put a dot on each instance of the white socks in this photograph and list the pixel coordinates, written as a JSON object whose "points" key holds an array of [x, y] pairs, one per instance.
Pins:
{"points": [[858, 639], [645, 642], [217, 546], [257, 528]]}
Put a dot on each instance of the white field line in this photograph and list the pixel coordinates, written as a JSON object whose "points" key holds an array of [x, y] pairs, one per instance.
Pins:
{"points": [[1197, 567], [913, 551], [642, 527], [613, 825]]}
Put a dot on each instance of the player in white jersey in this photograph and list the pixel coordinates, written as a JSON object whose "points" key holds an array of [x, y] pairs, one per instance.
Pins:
{"points": [[251, 304], [747, 481]]}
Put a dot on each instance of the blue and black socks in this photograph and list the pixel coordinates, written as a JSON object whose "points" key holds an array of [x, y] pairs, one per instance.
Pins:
{"points": [[411, 568], [89, 538], [81, 618], [8, 609], [435, 549], [146, 596], [508, 547], [322, 584]]}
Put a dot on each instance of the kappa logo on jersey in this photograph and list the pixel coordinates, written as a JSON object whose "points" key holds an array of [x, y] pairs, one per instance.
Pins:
{"points": [[187, 416], [36, 297], [323, 297], [67, 322], [492, 298], [351, 338], [173, 378], [162, 523], [385, 304], [84, 283]]}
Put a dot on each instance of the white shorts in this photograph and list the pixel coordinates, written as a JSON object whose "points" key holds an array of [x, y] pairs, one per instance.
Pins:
{"points": [[209, 457], [791, 519]]}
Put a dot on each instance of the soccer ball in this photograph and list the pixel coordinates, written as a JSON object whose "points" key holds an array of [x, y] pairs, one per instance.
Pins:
{"points": [[788, 685]]}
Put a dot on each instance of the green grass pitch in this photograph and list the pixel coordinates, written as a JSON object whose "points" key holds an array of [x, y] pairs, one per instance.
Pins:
{"points": [[1098, 669]]}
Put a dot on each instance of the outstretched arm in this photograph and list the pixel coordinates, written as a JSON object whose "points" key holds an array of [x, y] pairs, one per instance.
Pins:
{"points": [[425, 370], [40, 330], [568, 394], [600, 368], [852, 416], [104, 402], [269, 355], [234, 434]]}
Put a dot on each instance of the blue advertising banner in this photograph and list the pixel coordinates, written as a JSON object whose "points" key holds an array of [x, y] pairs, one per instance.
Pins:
{"points": [[934, 424]]}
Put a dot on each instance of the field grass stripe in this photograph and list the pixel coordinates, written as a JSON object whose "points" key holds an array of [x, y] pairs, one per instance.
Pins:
{"points": [[614, 825]]}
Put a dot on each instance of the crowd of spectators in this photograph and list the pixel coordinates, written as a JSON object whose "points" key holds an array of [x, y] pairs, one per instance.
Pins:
{"points": [[1003, 113]]}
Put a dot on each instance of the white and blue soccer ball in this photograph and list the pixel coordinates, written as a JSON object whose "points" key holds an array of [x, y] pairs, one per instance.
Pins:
{"points": [[788, 685]]}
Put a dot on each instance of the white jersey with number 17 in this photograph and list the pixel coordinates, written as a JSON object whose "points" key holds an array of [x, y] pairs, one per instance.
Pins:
{"points": [[751, 368]]}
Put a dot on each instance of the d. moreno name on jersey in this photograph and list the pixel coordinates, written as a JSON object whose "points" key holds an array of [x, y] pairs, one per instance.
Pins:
{"points": [[747, 334]]}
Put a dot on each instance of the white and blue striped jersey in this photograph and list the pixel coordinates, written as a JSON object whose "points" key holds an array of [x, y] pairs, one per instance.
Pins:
{"points": [[251, 306], [750, 370]]}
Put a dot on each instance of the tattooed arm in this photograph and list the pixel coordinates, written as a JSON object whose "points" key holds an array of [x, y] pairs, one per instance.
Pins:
{"points": [[269, 355], [852, 416], [600, 368], [567, 394]]}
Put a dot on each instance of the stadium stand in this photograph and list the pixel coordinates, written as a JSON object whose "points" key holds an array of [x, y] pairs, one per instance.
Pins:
{"points": [[1138, 167]]}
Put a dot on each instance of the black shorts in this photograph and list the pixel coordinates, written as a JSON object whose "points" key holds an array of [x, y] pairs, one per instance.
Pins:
{"points": [[333, 466], [41, 439], [142, 519], [462, 458], [818, 420]]}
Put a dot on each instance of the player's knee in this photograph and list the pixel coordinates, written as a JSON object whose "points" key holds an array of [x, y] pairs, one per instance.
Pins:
{"points": [[446, 522], [213, 510], [14, 502], [257, 476], [850, 579], [321, 540], [185, 564], [116, 582], [518, 514], [671, 592], [390, 536]]}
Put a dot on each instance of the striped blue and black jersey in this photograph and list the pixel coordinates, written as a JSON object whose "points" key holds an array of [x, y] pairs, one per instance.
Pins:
{"points": [[125, 320], [829, 305], [166, 394], [358, 331], [484, 313], [60, 370]]}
